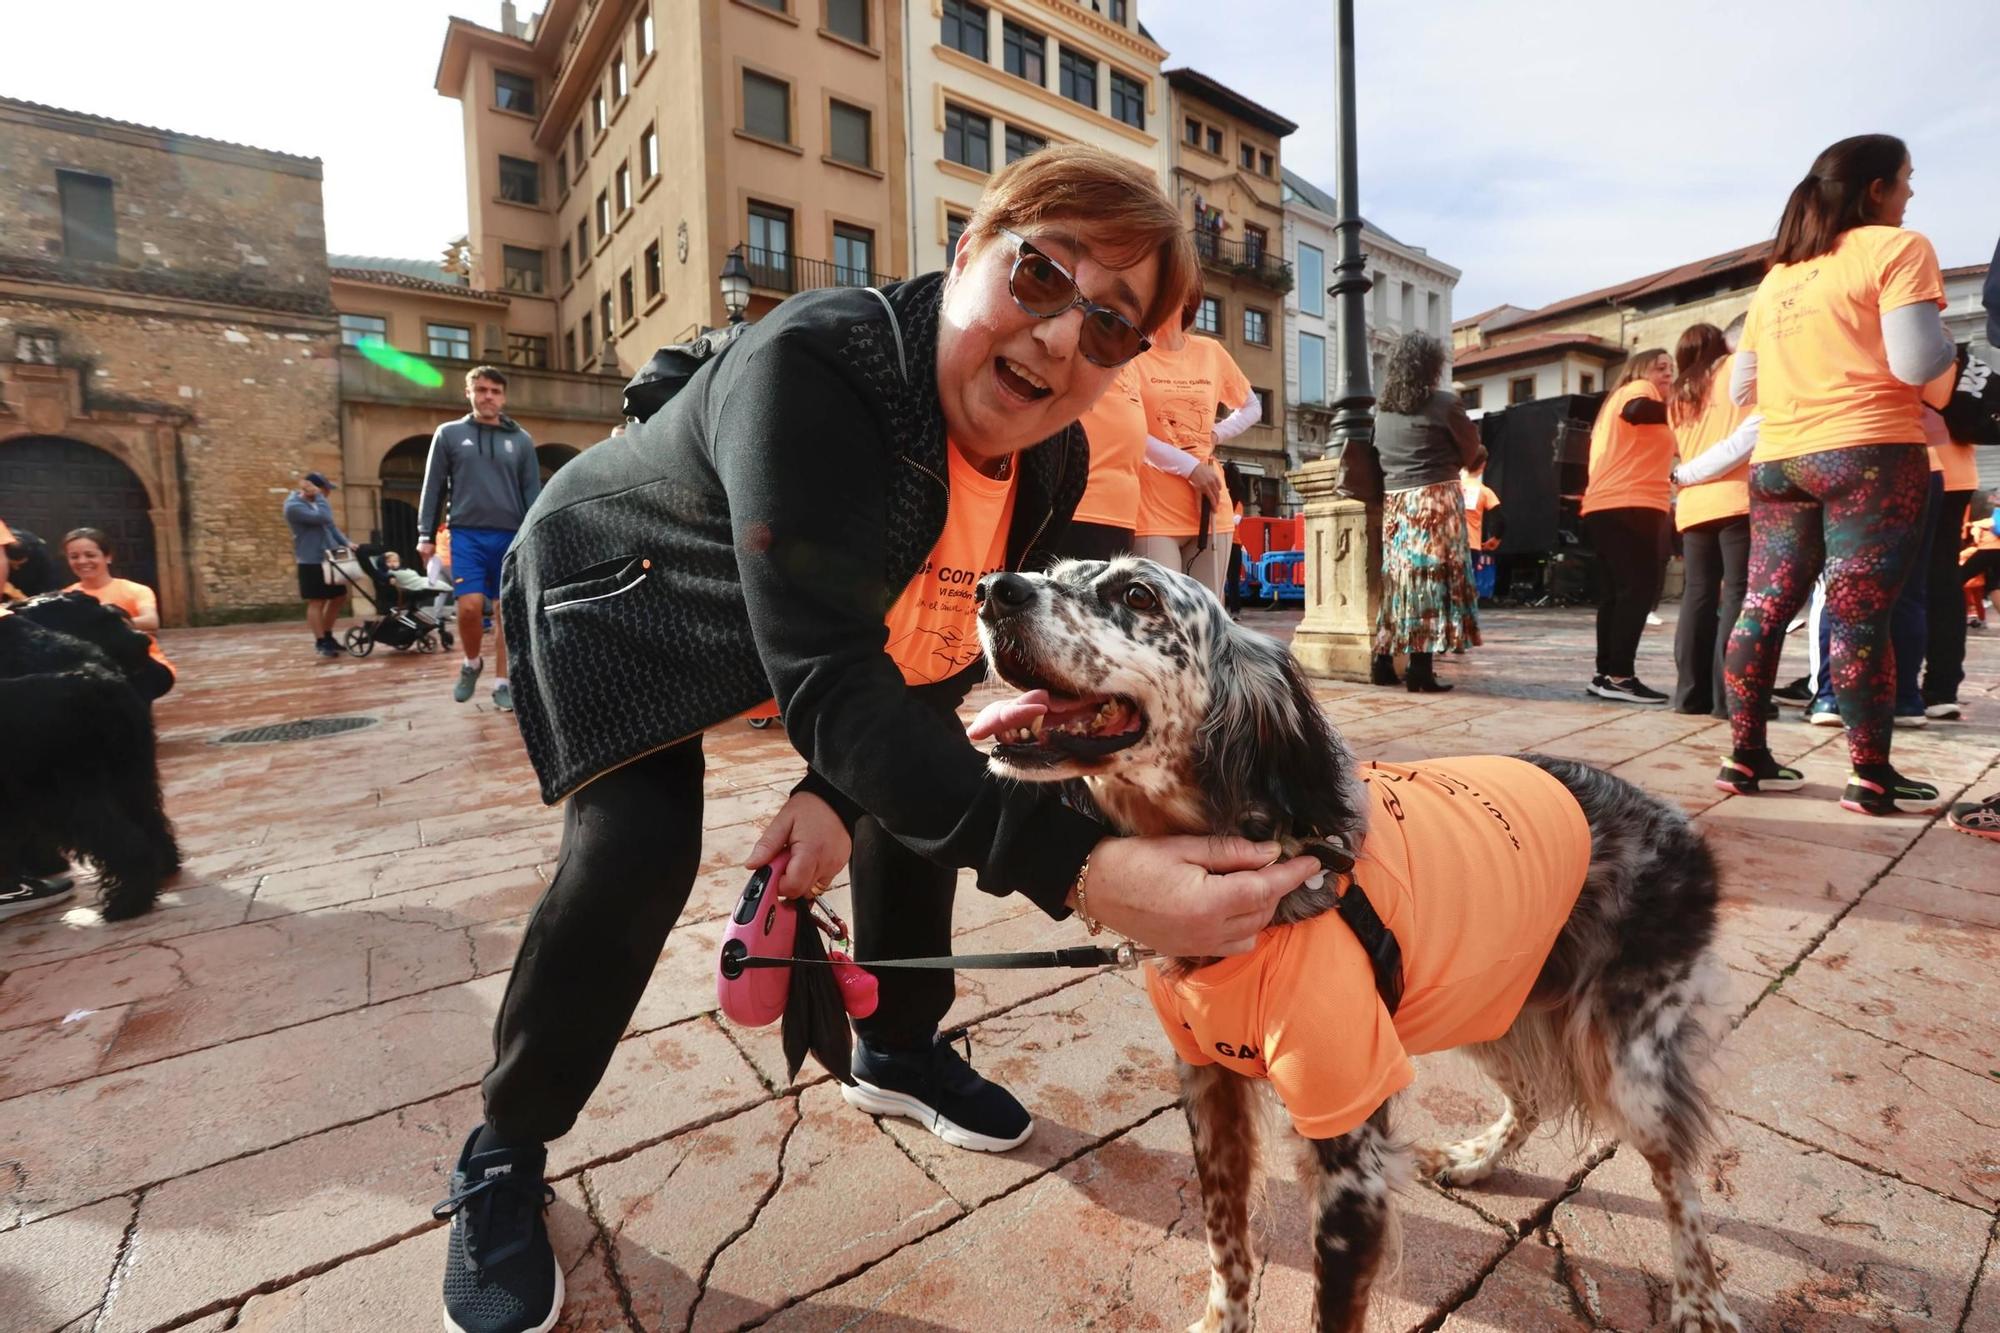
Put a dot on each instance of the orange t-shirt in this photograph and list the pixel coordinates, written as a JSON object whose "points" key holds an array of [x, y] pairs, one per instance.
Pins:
{"points": [[1957, 461], [933, 633], [1629, 465], [1478, 499], [1181, 391], [1116, 428], [1698, 432], [134, 599], [1823, 379], [1474, 864]]}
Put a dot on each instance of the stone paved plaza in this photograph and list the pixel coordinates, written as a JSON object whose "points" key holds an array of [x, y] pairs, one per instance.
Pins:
{"points": [[235, 1113]]}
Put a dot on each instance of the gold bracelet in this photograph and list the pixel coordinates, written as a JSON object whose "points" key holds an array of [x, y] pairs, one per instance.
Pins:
{"points": [[1083, 903]]}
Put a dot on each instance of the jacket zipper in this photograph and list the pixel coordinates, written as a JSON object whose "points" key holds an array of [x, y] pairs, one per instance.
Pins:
{"points": [[1062, 466]]}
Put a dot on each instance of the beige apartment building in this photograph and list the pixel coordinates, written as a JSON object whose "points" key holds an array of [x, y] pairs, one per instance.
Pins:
{"points": [[1227, 178], [992, 81], [618, 150]]}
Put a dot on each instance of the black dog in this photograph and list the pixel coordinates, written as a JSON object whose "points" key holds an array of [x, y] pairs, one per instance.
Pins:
{"points": [[80, 774]]}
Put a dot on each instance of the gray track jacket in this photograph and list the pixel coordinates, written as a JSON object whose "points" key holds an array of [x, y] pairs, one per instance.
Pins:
{"points": [[489, 471]]}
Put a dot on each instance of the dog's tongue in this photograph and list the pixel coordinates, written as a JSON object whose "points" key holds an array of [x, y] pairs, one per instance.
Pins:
{"points": [[1008, 715]]}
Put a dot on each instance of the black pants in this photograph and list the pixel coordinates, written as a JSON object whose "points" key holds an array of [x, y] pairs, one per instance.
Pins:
{"points": [[1092, 541], [630, 852], [1944, 649], [1717, 557], [1628, 543], [1232, 596]]}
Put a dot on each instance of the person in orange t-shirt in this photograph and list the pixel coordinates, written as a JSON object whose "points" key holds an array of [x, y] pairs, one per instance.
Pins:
{"points": [[1196, 398], [1841, 338], [1712, 511], [89, 554], [1625, 517], [1107, 517], [1958, 477], [1474, 864]]}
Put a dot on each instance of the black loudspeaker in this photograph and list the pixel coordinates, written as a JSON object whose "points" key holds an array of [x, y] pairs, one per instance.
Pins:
{"points": [[1538, 453]]}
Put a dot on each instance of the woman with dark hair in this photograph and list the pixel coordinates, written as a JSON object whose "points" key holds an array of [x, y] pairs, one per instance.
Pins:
{"points": [[1842, 335], [1624, 514], [1714, 436], [89, 553], [1425, 440]]}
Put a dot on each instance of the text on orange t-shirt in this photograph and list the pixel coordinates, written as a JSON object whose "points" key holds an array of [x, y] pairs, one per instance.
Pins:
{"points": [[1823, 378], [1629, 464], [933, 631], [1474, 864], [134, 599], [1115, 425], [1182, 391], [1695, 433]]}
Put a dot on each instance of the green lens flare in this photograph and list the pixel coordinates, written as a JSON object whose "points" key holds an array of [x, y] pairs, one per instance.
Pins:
{"points": [[412, 368]]}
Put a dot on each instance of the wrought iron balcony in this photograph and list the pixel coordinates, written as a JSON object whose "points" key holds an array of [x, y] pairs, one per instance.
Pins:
{"points": [[782, 271], [1251, 260]]}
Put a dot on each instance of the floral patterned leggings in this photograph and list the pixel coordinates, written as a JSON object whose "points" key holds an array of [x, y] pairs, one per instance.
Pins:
{"points": [[1859, 511]]}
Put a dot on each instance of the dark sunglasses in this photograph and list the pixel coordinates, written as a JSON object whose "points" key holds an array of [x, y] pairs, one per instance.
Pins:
{"points": [[1045, 289]]}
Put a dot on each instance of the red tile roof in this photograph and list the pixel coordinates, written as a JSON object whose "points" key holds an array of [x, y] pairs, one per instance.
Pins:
{"points": [[1534, 346], [1664, 280], [388, 278]]}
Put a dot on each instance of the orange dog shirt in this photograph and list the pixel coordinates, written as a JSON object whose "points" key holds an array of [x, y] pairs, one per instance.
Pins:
{"points": [[1474, 864]]}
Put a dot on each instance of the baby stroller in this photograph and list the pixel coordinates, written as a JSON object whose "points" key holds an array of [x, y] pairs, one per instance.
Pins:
{"points": [[387, 616]]}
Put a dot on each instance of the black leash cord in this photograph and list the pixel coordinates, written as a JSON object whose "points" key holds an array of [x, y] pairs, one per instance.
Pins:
{"points": [[1082, 955]]}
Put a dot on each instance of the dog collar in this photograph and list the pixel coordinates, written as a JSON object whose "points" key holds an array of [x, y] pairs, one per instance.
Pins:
{"points": [[1385, 953]]}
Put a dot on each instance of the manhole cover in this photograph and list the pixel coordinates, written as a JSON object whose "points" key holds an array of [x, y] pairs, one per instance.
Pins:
{"points": [[310, 729]]}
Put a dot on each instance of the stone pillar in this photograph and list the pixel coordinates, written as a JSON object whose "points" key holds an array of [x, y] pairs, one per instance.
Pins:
{"points": [[1343, 542]]}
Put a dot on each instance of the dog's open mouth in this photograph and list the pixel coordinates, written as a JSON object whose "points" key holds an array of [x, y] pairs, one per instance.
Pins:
{"points": [[1044, 726]]}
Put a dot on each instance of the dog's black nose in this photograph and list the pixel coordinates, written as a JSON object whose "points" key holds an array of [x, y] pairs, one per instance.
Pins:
{"points": [[1002, 594]]}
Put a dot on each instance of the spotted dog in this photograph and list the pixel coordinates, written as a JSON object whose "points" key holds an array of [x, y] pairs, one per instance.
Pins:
{"points": [[1549, 919]]}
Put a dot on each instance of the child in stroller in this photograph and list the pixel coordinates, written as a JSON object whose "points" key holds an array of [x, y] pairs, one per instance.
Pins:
{"points": [[388, 597]]}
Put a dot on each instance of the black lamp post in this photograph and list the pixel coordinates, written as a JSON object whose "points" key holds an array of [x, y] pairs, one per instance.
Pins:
{"points": [[1353, 397], [735, 285]]}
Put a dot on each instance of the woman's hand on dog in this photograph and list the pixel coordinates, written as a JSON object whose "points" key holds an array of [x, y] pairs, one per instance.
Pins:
{"points": [[818, 841], [1190, 897]]}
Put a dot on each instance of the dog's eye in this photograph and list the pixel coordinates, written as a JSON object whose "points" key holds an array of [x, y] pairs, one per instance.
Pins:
{"points": [[1140, 598]]}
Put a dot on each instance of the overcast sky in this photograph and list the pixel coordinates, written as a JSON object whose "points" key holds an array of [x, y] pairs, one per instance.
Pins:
{"points": [[1544, 147]]}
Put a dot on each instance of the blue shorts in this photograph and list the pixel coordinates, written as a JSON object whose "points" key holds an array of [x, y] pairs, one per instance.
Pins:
{"points": [[475, 560]]}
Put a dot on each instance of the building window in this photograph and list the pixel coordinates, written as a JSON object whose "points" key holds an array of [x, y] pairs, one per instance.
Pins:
{"points": [[852, 133], [566, 265], [1208, 315], [653, 273], [1589, 384], [628, 296], [1312, 368], [1267, 406], [1264, 164], [562, 172], [624, 186], [1521, 390], [1023, 53], [1128, 100], [576, 147], [357, 329], [1312, 280], [1079, 78], [598, 117], [849, 19], [1214, 140], [569, 352], [582, 244], [1256, 327], [604, 315], [1192, 132], [1117, 8], [1431, 309], [621, 85], [528, 349], [449, 341], [649, 154], [523, 268], [767, 107], [770, 246], [1256, 243], [1469, 398], [968, 138], [1246, 155], [1020, 143], [520, 181], [642, 34], [603, 215], [589, 341], [964, 28], [1409, 306], [775, 6], [89, 223], [1379, 286], [853, 256], [513, 92], [954, 228]]}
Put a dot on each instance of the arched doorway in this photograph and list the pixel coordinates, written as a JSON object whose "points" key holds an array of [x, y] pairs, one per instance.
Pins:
{"points": [[49, 485], [402, 487], [552, 457]]}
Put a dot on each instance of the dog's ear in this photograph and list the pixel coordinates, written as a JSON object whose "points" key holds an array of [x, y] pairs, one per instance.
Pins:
{"points": [[1267, 759]]}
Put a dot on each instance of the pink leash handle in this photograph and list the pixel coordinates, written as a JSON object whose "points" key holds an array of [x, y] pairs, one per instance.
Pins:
{"points": [[762, 926]]}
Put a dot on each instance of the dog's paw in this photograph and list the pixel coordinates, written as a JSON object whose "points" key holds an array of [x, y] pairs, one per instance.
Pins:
{"points": [[1456, 1164], [1216, 1321], [1702, 1312]]}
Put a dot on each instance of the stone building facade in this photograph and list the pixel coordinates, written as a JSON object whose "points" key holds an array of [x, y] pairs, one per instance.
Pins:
{"points": [[167, 350]]}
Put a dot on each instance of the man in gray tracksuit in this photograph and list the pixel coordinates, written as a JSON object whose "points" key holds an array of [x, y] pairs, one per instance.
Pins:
{"points": [[482, 476]]}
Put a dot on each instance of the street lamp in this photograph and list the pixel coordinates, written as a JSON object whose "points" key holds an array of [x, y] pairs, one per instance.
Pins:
{"points": [[1353, 397], [735, 285]]}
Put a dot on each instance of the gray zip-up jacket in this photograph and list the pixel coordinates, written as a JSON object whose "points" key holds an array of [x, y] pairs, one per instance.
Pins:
{"points": [[489, 472], [313, 530]]}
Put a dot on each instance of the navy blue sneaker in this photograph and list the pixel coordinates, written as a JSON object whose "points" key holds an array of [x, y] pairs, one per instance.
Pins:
{"points": [[938, 1089], [500, 1273]]}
